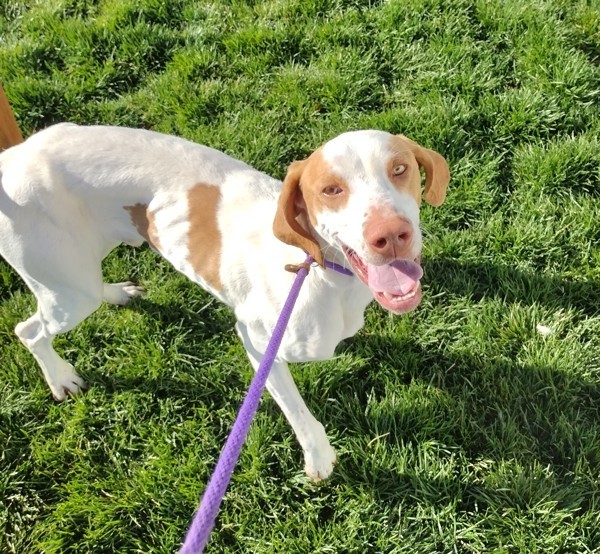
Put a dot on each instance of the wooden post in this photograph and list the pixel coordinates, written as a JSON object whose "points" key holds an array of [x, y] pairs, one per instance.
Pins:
{"points": [[10, 134]]}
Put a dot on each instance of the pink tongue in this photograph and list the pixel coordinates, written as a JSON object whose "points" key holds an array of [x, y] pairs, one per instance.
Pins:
{"points": [[399, 277]]}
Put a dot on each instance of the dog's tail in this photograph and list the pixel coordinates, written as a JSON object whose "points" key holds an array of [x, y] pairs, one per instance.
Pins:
{"points": [[10, 134]]}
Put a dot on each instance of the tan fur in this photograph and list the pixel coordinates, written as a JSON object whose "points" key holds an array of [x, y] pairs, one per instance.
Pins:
{"points": [[316, 176], [286, 226], [437, 173], [10, 134], [204, 238], [143, 220], [410, 180]]}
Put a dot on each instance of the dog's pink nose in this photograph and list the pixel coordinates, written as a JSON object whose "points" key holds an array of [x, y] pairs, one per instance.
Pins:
{"points": [[390, 237]]}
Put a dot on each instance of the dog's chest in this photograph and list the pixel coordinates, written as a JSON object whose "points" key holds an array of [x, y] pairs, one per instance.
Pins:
{"points": [[320, 326], [324, 315]]}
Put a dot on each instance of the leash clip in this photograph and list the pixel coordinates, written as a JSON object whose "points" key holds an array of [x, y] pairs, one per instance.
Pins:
{"points": [[295, 268]]}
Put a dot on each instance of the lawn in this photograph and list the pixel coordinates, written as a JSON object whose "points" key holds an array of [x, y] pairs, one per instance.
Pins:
{"points": [[470, 425]]}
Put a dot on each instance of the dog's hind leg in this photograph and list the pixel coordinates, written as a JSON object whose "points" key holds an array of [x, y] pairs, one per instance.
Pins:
{"points": [[122, 294], [60, 375], [59, 310], [62, 268], [56, 313], [54, 242]]}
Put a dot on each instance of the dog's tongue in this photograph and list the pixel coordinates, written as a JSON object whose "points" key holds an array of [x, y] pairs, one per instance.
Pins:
{"points": [[398, 277]]}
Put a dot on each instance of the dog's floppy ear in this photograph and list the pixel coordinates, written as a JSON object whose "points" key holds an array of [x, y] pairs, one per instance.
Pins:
{"points": [[286, 226], [437, 172]]}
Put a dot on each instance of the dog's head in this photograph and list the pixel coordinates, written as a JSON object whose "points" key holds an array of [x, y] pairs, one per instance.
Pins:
{"points": [[360, 194]]}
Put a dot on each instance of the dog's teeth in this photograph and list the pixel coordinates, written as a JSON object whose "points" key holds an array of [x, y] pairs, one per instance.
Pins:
{"points": [[398, 297]]}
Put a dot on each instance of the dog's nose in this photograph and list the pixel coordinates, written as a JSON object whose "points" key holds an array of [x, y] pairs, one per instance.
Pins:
{"points": [[390, 237]]}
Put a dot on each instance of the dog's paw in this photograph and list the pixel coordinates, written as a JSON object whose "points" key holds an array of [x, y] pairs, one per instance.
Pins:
{"points": [[122, 294], [318, 465], [66, 383]]}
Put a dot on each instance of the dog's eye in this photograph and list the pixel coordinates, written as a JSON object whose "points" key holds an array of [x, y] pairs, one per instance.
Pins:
{"points": [[332, 190], [399, 169]]}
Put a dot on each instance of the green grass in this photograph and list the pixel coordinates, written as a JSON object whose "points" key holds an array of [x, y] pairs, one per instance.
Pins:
{"points": [[459, 427]]}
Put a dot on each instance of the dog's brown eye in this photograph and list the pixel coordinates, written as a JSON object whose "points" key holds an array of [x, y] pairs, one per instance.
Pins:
{"points": [[332, 190], [399, 169]]}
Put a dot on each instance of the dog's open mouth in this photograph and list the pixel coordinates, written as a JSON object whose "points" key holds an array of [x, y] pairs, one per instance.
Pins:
{"points": [[396, 286]]}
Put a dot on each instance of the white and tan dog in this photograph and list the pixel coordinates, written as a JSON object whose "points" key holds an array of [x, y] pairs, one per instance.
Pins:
{"points": [[70, 194]]}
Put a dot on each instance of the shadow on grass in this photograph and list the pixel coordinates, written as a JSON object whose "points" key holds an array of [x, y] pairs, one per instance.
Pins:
{"points": [[479, 280], [483, 435], [476, 434], [190, 340], [487, 432], [492, 411]]}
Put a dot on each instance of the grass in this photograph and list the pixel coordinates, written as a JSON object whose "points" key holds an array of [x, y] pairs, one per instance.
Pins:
{"points": [[460, 427]]}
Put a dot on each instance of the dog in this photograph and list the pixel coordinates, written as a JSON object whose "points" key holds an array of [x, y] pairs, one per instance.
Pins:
{"points": [[70, 194]]}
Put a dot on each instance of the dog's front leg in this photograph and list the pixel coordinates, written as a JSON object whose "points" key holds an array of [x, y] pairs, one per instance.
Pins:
{"points": [[319, 456]]}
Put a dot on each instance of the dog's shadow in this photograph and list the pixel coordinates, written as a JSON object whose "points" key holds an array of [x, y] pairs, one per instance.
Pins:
{"points": [[206, 321], [462, 427], [187, 335], [479, 280]]}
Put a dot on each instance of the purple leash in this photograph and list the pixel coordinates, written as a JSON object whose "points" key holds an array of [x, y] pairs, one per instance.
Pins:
{"points": [[204, 520]]}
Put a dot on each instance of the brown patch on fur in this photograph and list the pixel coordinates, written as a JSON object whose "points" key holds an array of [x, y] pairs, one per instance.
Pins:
{"points": [[290, 224], [410, 180], [143, 221], [316, 177], [437, 173], [302, 198], [204, 237]]}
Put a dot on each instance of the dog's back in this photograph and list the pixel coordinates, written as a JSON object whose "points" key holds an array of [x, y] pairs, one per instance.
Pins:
{"points": [[129, 185]]}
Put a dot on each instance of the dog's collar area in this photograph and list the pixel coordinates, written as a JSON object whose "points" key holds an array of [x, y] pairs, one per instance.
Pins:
{"points": [[294, 268]]}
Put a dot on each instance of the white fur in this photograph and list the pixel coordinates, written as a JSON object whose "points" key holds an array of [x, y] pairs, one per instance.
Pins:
{"points": [[62, 210]]}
